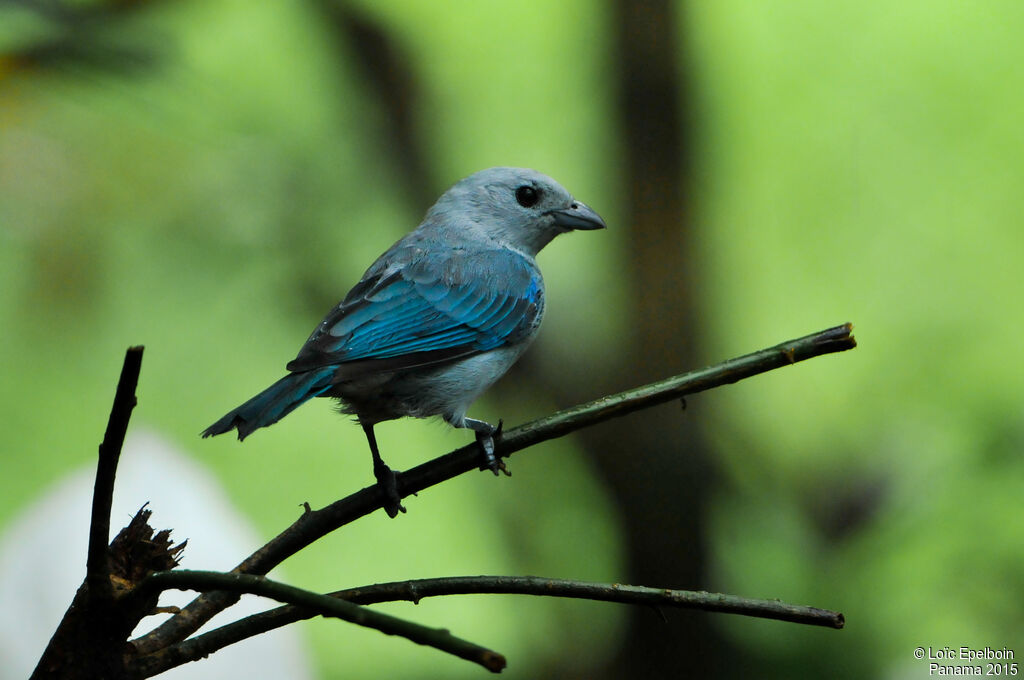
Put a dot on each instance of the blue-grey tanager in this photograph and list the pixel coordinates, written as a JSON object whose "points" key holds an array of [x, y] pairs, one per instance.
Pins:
{"points": [[436, 319]]}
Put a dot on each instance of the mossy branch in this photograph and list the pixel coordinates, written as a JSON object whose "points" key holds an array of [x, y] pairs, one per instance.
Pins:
{"points": [[124, 579]]}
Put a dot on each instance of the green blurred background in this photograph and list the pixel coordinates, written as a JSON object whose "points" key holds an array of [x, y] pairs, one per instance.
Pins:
{"points": [[208, 178]]}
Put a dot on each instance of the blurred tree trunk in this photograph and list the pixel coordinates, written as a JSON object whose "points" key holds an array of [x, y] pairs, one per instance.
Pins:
{"points": [[393, 85], [658, 466]]}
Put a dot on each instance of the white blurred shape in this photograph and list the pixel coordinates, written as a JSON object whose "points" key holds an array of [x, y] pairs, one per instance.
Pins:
{"points": [[42, 560]]}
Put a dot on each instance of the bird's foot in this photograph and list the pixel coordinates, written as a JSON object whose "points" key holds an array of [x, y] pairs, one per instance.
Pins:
{"points": [[486, 437], [387, 482]]}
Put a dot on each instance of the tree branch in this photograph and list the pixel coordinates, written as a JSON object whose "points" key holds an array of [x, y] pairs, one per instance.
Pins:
{"points": [[97, 565], [314, 524], [316, 604], [89, 641], [413, 591]]}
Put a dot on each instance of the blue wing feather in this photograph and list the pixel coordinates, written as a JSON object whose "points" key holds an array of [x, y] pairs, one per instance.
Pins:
{"points": [[412, 303], [498, 315]]}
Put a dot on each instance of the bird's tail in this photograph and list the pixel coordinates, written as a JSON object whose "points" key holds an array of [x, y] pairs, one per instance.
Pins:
{"points": [[273, 403]]}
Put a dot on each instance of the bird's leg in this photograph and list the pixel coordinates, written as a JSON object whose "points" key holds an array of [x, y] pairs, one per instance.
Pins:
{"points": [[386, 480], [485, 434]]}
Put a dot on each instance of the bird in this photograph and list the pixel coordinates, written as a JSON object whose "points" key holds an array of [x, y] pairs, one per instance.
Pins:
{"points": [[435, 320]]}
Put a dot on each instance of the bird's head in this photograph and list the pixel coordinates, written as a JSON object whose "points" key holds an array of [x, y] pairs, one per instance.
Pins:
{"points": [[516, 207]]}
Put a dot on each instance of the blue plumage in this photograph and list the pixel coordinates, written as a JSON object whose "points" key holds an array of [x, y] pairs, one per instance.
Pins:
{"points": [[436, 319], [425, 302], [274, 403]]}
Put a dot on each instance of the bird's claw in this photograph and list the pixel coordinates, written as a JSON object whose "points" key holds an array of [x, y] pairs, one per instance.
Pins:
{"points": [[387, 482], [491, 461]]}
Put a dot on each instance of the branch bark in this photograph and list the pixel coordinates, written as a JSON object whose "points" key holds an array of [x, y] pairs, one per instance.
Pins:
{"points": [[97, 565], [316, 604], [413, 591], [120, 587], [97, 622], [314, 524]]}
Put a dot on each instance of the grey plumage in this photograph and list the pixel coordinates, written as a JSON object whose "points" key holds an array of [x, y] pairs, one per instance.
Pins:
{"points": [[437, 319]]}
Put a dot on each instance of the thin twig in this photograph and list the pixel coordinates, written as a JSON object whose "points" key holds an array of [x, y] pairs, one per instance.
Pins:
{"points": [[415, 590], [317, 523], [97, 566], [323, 605]]}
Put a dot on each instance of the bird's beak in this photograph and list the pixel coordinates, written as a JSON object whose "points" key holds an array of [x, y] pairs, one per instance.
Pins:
{"points": [[577, 216]]}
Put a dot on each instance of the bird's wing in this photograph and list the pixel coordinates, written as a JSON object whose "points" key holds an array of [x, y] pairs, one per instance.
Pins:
{"points": [[420, 307]]}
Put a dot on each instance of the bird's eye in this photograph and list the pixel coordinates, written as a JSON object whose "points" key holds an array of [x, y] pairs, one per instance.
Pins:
{"points": [[527, 196]]}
